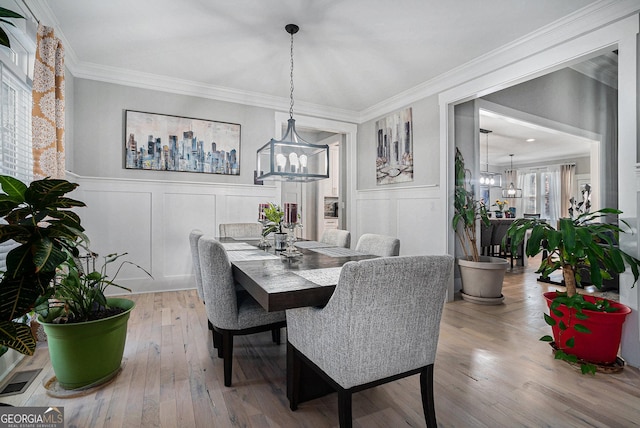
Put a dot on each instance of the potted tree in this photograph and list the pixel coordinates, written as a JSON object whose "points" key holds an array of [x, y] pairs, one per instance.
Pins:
{"points": [[586, 330], [481, 276], [86, 331], [39, 219]]}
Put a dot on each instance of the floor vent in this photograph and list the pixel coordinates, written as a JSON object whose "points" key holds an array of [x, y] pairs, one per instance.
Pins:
{"points": [[19, 382]]}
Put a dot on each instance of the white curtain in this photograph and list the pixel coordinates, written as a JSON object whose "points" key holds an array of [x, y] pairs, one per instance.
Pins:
{"points": [[555, 194], [567, 185]]}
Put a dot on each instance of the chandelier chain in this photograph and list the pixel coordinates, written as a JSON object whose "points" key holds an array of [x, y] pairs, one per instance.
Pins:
{"points": [[291, 75]]}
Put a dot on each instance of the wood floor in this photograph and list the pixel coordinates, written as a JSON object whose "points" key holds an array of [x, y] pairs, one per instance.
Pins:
{"points": [[491, 371]]}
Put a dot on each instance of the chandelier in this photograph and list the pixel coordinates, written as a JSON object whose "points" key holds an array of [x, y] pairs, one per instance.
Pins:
{"points": [[491, 179], [292, 158], [512, 191]]}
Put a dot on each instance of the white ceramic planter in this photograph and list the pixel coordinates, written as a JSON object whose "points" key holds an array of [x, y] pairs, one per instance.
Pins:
{"points": [[482, 280]]}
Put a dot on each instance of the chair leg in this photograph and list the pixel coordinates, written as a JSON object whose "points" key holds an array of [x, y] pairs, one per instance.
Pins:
{"points": [[217, 342], [227, 356], [275, 335], [293, 377], [344, 408], [426, 390]]}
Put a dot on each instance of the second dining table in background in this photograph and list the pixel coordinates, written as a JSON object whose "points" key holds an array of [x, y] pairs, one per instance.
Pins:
{"points": [[278, 283]]}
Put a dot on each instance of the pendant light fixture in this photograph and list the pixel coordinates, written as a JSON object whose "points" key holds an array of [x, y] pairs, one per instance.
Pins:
{"points": [[490, 179], [512, 191], [292, 158]]}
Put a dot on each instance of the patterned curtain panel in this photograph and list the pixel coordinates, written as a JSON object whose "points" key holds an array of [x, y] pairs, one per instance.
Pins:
{"points": [[48, 106]]}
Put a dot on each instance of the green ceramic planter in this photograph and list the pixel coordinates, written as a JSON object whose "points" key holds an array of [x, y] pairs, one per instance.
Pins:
{"points": [[89, 353]]}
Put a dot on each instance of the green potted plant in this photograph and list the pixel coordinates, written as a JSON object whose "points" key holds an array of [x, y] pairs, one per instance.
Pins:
{"points": [[481, 276], [39, 218], [274, 215], [586, 330], [86, 331]]}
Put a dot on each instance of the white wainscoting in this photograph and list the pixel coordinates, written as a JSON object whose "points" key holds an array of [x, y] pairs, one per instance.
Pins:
{"points": [[413, 214], [151, 221]]}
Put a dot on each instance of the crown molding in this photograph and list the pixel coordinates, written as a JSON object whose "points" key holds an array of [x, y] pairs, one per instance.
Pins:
{"points": [[596, 15], [586, 19]]}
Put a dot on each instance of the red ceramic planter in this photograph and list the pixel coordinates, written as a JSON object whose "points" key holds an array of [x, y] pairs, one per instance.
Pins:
{"points": [[601, 346]]}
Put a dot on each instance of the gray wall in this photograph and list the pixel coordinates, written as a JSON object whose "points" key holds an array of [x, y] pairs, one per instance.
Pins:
{"points": [[572, 98], [426, 142], [98, 129], [69, 119]]}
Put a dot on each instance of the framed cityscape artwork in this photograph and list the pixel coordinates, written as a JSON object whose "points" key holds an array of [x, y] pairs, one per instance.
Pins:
{"points": [[161, 142], [394, 161]]}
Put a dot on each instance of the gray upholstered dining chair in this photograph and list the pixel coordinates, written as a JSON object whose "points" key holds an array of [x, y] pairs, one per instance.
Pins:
{"points": [[378, 245], [240, 230], [337, 237], [370, 333], [231, 313], [194, 237]]}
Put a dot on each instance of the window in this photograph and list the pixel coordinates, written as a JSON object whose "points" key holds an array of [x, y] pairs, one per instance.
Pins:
{"points": [[16, 158], [15, 127]]}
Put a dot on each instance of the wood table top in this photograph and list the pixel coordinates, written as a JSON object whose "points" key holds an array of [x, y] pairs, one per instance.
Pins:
{"points": [[279, 283]]}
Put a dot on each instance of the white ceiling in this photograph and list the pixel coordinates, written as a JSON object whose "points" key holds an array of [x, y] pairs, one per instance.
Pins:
{"points": [[509, 136], [349, 54]]}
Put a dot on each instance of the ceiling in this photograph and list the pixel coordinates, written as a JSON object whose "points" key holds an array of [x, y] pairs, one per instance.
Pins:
{"points": [[349, 54], [509, 136]]}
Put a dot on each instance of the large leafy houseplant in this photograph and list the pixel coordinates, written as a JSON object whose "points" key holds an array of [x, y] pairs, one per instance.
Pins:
{"points": [[6, 13], [468, 212], [39, 218], [78, 296], [580, 246]]}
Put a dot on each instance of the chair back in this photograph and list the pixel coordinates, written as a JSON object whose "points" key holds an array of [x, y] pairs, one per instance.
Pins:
{"points": [[240, 230], [384, 318], [337, 237], [194, 237], [537, 215], [378, 245], [218, 286]]}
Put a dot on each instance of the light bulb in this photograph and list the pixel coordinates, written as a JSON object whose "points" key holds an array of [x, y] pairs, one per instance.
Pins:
{"points": [[492, 181], [482, 179], [303, 163], [293, 161], [281, 161]]}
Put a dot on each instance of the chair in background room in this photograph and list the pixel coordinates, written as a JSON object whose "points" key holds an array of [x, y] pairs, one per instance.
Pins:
{"points": [[230, 313], [337, 237], [485, 238], [378, 245], [240, 230], [369, 333]]}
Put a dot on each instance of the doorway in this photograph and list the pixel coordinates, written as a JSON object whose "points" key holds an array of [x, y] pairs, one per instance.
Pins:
{"points": [[341, 137]]}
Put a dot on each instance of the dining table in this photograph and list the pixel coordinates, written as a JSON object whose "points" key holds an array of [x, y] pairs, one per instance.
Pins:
{"points": [[278, 282]]}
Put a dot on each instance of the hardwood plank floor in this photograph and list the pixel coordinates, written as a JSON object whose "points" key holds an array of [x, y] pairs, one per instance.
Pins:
{"points": [[491, 371]]}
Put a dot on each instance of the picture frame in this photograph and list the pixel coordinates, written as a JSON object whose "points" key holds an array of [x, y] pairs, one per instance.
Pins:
{"points": [[161, 142], [394, 158]]}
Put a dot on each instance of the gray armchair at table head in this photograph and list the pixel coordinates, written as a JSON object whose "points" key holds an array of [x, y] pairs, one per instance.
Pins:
{"points": [[337, 237], [378, 245], [231, 313], [370, 333], [240, 230]]}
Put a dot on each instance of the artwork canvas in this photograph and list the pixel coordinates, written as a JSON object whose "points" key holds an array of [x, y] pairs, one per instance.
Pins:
{"points": [[394, 163], [171, 143]]}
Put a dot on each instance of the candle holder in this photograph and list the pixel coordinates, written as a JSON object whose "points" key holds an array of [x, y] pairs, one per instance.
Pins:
{"points": [[291, 251]]}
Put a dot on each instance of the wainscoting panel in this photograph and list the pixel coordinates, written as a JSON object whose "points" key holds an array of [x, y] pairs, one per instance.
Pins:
{"points": [[119, 221], [413, 214], [151, 221], [180, 218]]}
